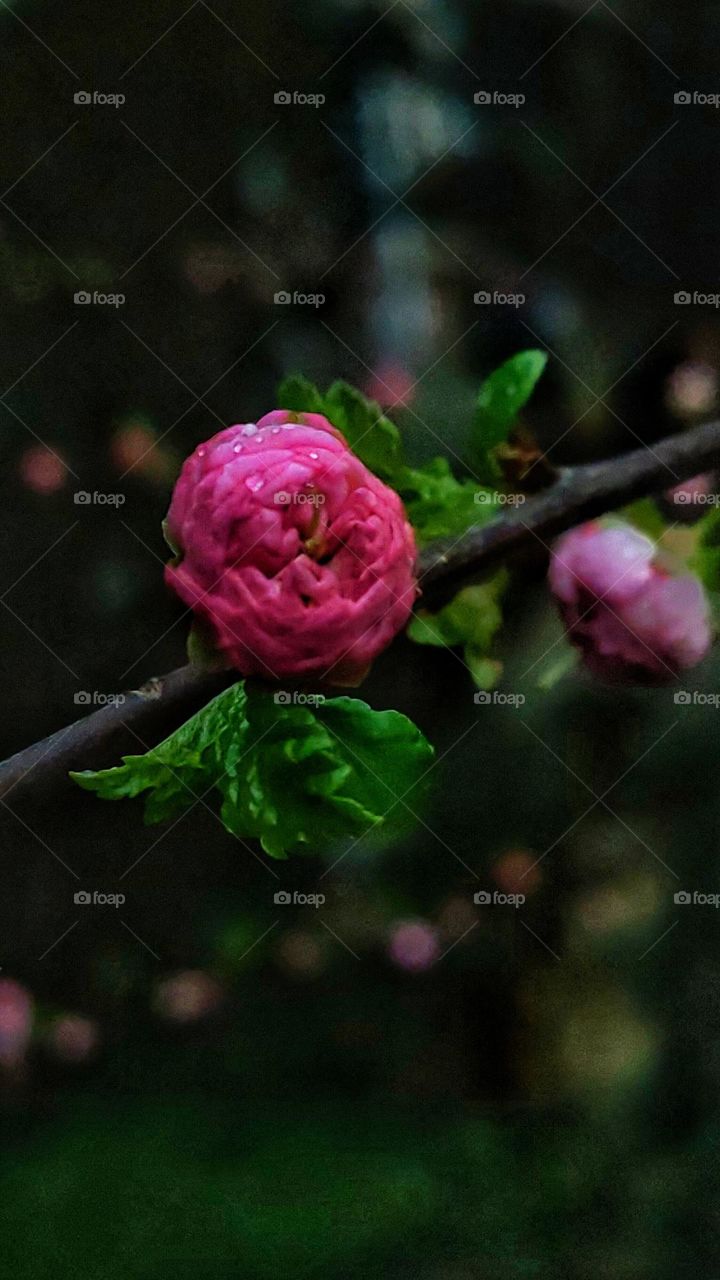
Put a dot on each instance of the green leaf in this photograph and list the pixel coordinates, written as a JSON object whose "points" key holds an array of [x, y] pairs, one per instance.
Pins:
{"points": [[705, 561], [500, 400], [472, 619], [372, 436], [299, 395], [646, 517], [294, 776], [439, 505]]}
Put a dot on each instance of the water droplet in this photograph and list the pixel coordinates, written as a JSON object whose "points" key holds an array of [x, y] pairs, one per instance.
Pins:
{"points": [[275, 431], [237, 448], [249, 429], [201, 451], [315, 456]]}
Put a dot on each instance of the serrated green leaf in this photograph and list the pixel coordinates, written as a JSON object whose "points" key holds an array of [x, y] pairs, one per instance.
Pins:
{"points": [[295, 777], [500, 399], [372, 436]]}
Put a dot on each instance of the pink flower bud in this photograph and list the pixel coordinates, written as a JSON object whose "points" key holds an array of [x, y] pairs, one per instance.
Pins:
{"points": [[413, 945], [296, 558], [16, 1019], [632, 621]]}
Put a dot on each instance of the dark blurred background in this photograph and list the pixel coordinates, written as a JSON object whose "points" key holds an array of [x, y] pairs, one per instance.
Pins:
{"points": [[201, 1083]]}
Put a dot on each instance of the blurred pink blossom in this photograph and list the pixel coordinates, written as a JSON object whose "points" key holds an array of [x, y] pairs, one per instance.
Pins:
{"points": [[413, 945]]}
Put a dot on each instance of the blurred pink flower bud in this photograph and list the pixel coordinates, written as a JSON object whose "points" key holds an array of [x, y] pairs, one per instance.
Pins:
{"points": [[42, 470], [188, 996], [73, 1038], [16, 1018], [630, 619], [413, 945]]}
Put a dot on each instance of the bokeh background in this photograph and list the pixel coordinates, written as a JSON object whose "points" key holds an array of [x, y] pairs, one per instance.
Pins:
{"points": [[398, 1082]]}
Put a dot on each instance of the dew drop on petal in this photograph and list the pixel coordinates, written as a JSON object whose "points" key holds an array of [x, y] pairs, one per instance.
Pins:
{"points": [[314, 456], [249, 429]]}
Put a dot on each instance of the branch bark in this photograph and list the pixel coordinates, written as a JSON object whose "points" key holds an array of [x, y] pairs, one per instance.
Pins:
{"points": [[579, 493]]}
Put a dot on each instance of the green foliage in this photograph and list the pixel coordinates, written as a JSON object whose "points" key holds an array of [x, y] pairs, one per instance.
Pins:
{"points": [[706, 559], [472, 619], [296, 777], [502, 395], [438, 505]]}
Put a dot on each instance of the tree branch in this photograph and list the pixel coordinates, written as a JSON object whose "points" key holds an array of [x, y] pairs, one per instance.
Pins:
{"points": [[578, 494]]}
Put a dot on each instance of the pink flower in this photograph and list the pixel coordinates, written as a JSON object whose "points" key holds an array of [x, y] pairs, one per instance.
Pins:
{"points": [[413, 945], [296, 558], [631, 620], [16, 1019]]}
